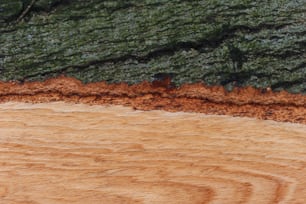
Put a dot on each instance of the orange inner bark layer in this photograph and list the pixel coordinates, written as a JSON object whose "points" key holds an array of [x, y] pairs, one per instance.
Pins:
{"points": [[247, 101]]}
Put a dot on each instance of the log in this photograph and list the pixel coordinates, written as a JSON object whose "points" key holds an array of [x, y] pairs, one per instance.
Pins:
{"points": [[64, 153], [229, 43]]}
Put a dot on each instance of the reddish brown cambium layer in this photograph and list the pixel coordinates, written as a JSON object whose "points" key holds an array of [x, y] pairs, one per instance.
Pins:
{"points": [[250, 102]]}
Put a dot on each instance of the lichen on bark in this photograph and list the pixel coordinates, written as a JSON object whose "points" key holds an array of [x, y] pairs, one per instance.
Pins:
{"points": [[224, 42]]}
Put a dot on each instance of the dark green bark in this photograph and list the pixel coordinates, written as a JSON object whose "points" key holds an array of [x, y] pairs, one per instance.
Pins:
{"points": [[227, 42]]}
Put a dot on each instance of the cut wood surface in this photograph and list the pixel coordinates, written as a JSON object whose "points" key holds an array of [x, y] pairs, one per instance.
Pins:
{"points": [[73, 153]]}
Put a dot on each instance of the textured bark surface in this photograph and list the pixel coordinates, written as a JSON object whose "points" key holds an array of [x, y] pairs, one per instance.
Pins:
{"points": [[257, 43]]}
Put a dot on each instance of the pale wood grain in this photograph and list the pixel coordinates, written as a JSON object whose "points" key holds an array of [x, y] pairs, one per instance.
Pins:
{"points": [[64, 153]]}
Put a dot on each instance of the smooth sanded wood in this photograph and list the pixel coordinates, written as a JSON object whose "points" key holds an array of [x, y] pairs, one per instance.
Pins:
{"points": [[64, 153]]}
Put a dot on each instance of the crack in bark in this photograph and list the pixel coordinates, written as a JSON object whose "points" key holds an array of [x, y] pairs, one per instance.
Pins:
{"points": [[25, 11], [165, 51], [287, 84]]}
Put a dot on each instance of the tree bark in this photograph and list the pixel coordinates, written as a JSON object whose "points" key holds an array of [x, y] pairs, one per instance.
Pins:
{"points": [[230, 43]]}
